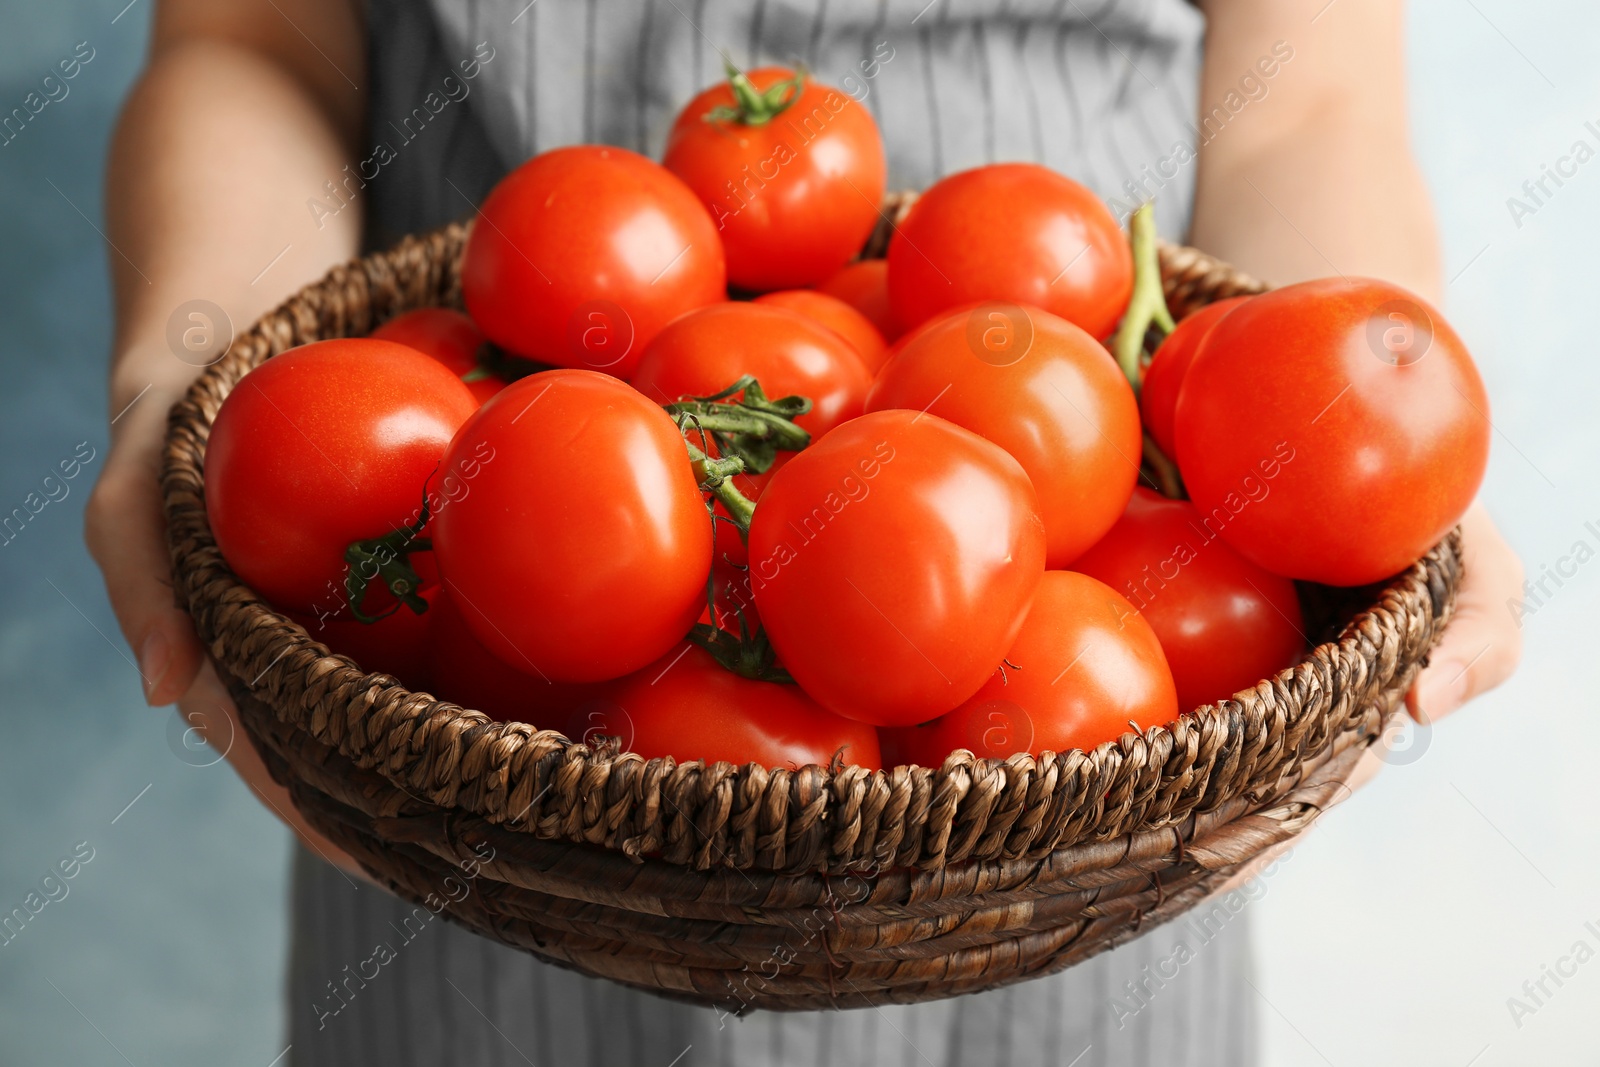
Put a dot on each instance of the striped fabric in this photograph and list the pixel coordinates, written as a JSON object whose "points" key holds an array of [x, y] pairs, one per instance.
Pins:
{"points": [[375, 981], [463, 90]]}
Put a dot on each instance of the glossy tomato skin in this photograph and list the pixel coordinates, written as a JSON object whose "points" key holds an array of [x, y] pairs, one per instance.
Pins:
{"points": [[1224, 623], [1163, 378], [794, 198], [581, 552], [464, 672], [837, 316], [789, 353], [326, 444], [396, 644], [864, 285], [1014, 232], [1043, 390], [685, 705], [449, 337], [1319, 453], [1087, 669], [581, 255], [893, 562]]}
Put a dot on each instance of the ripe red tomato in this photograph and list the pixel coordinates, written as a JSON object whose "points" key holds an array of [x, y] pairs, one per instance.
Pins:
{"points": [[326, 444], [581, 552], [687, 706], [1043, 390], [464, 672], [1223, 622], [794, 193], [449, 337], [893, 562], [396, 644], [1163, 378], [580, 256], [790, 354], [1333, 430], [864, 285], [1015, 232], [1087, 669], [837, 316]]}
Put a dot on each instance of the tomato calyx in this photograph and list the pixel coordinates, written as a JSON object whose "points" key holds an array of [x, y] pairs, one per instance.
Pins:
{"points": [[748, 653], [751, 106], [752, 428], [387, 559]]}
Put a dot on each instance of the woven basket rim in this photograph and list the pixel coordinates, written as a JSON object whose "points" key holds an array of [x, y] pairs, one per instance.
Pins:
{"points": [[536, 781]]}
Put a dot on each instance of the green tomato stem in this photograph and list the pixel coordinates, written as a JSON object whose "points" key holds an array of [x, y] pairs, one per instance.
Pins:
{"points": [[715, 476], [1147, 305], [751, 106], [387, 559]]}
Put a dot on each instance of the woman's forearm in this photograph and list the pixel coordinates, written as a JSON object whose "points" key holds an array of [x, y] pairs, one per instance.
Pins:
{"points": [[1316, 177]]}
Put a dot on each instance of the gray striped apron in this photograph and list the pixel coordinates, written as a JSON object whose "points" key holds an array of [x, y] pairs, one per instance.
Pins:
{"points": [[463, 90]]}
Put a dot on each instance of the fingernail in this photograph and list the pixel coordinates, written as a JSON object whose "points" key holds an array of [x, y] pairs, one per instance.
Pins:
{"points": [[1444, 689], [155, 657]]}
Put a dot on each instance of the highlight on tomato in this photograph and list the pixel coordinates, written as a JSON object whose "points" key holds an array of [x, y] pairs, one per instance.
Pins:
{"points": [[582, 254], [1333, 430], [1223, 622], [893, 562], [689, 707], [791, 170], [1013, 232], [582, 552], [324, 445], [1163, 376], [1043, 390], [837, 316], [1085, 668]]}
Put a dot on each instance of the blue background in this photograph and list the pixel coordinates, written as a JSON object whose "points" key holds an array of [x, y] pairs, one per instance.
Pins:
{"points": [[1395, 934]]}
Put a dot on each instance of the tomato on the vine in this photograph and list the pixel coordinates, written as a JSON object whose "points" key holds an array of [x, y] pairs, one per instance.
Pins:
{"points": [[893, 562], [1163, 378], [1333, 430], [837, 316], [688, 706], [1224, 623], [1014, 232], [579, 257], [449, 337], [792, 172], [1043, 390], [581, 552], [864, 285], [326, 444], [1084, 669], [397, 644]]}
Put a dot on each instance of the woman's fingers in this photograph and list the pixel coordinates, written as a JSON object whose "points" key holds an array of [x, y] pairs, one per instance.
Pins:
{"points": [[1483, 643], [126, 533]]}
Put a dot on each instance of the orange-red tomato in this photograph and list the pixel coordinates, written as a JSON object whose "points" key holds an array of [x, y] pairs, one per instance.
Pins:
{"points": [[1043, 390], [1086, 668], [687, 706], [790, 354], [1163, 378], [1224, 623], [580, 551], [837, 316], [449, 337], [794, 195], [464, 672], [864, 285], [893, 562], [580, 256], [1014, 232], [396, 644], [1333, 430]]}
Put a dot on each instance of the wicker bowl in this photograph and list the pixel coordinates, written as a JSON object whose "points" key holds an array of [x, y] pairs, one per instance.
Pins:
{"points": [[775, 888]]}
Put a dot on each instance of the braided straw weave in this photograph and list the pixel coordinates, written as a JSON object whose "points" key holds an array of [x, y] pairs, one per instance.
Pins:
{"points": [[750, 887]]}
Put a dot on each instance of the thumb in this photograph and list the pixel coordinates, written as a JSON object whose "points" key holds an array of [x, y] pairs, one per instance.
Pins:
{"points": [[126, 533]]}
